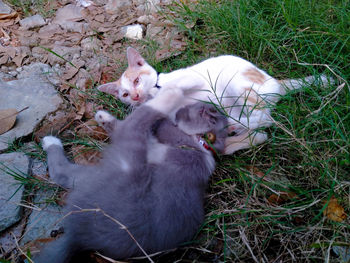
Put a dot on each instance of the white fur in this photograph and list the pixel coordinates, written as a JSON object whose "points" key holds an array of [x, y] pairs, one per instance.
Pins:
{"points": [[244, 141], [124, 164], [166, 100], [50, 140], [156, 154], [102, 117], [221, 80]]}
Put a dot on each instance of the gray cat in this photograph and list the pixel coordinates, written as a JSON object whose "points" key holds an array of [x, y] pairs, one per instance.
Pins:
{"points": [[152, 180]]}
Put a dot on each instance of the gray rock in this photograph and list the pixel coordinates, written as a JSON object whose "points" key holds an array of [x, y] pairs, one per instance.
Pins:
{"points": [[69, 13], [91, 44], [33, 91], [45, 218], [10, 189], [4, 9], [117, 6], [40, 70], [153, 31], [71, 26], [66, 52], [145, 19], [4, 76], [32, 22]]}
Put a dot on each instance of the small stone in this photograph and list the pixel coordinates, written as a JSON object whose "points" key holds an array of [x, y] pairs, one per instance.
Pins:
{"points": [[10, 189], [117, 6], [32, 22], [153, 31], [90, 44], [5, 9], [145, 19], [63, 51], [13, 73], [71, 26], [133, 31], [69, 13]]}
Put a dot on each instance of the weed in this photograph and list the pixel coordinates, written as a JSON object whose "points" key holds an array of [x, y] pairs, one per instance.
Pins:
{"points": [[307, 153], [31, 7]]}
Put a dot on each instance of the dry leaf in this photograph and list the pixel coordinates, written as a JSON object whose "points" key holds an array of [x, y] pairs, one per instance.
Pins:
{"points": [[281, 198], [85, 156], [255, 171], [55, 124], [92, 130], [90, 109], [108, 74], [7, 119], [5, 17], [334, 211]]}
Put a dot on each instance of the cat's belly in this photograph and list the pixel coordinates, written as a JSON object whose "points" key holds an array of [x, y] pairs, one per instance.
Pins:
{"points": [[156, 152]]}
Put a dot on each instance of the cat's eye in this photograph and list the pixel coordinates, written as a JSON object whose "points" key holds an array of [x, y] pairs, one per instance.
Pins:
{"points": [[212, 120], [211, 137], [212, 110], [125, 94], [136, 81]]}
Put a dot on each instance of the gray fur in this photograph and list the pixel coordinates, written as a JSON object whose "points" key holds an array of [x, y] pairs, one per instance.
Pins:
{"points": [[160, 204]]}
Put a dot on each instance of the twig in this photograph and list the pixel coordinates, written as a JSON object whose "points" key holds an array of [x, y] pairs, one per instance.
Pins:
{"points": [[245, 241], [18, 112], [17, 245], [322, 65]]}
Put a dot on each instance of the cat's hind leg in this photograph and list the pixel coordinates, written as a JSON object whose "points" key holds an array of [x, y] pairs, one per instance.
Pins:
{"points": [[60, 250], [243, 141], [257, 119], [61, 170]]}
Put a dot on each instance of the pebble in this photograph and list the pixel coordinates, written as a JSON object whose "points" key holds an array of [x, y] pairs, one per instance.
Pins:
{"points": [[32, 22], [133, 31]]}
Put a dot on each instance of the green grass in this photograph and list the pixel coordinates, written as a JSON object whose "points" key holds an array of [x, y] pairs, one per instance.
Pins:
{"points": [[32, 7], [307, 152], [308, 149]]}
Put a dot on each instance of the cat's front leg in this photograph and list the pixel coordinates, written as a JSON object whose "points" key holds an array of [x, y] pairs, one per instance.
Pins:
{"points": [[106, 120], [257, 119], [166, 100], [61, 170]]}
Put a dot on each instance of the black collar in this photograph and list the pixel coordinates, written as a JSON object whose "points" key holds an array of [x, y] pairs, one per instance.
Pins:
{"points": [[156, 85]]}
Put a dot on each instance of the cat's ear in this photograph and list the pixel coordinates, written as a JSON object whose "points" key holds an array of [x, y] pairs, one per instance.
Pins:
{"points": [[110, 88], [134, 58]]}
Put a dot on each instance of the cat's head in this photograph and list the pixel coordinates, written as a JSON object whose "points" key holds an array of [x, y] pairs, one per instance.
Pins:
{"points": [[134, 86], [204, 121]]}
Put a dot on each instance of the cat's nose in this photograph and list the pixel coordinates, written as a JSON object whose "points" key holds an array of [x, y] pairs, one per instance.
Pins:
{"points": [[136, 97]]}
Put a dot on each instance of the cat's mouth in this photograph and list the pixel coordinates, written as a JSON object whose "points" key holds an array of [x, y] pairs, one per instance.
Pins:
{"points": [[207, 140]]}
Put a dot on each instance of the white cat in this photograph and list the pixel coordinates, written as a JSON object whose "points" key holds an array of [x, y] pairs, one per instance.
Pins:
{"points": [[240, 90]]}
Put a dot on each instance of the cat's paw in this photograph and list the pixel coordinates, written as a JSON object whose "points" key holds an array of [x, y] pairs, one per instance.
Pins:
{"points": [[50, 140], [106, 120], [166, 100], [103, 117], [236, 129]]}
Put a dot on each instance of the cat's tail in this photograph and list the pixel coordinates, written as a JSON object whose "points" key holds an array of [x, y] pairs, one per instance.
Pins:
{"points": [[291, 84]]}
